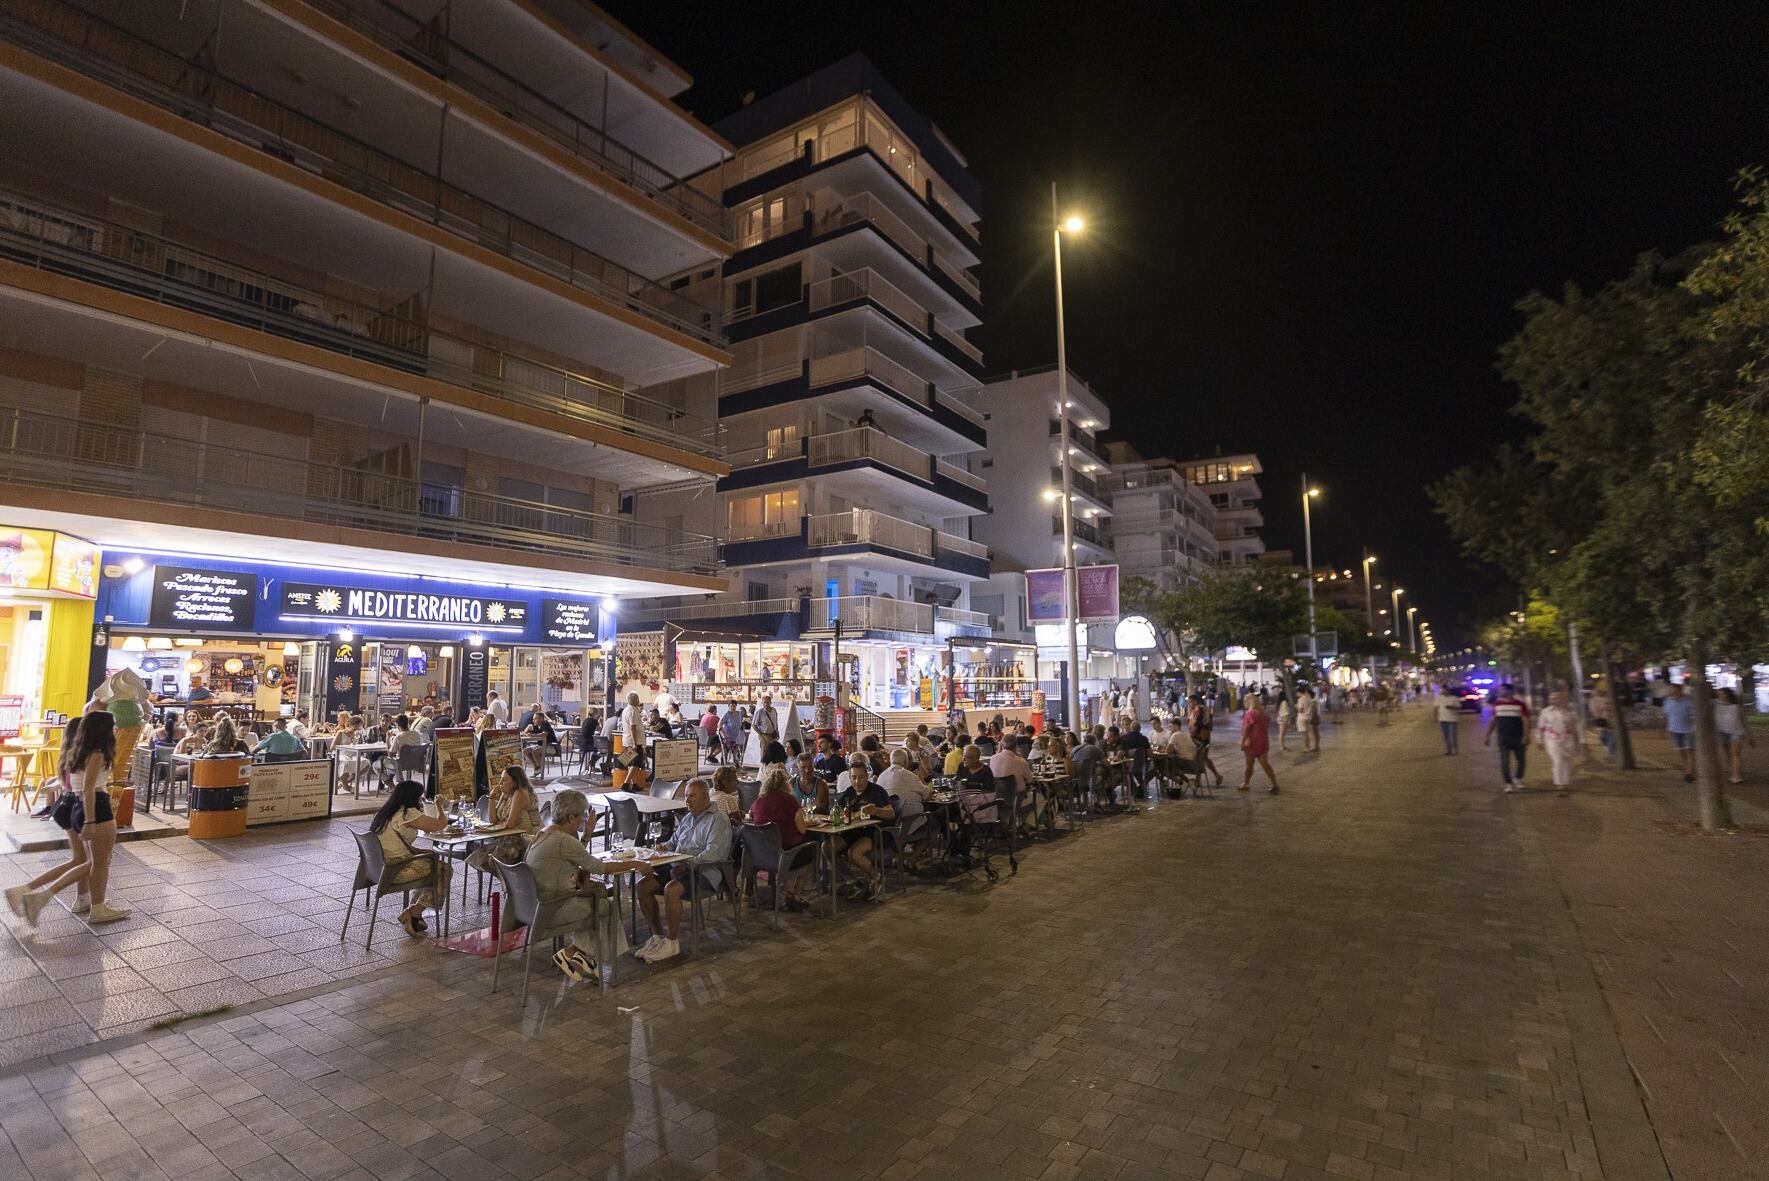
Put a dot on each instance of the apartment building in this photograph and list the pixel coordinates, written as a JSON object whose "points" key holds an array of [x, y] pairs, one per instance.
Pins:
{"points": [[847, 411], [1232, 483], [1163, 525], [338, 338]]}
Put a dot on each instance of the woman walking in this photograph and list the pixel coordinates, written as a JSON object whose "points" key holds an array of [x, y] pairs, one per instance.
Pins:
{"points": [[1734, 734], [1256, 744], [1287, 719], [1557, 732], [1202, 722], [86, 770], [62, 812]]}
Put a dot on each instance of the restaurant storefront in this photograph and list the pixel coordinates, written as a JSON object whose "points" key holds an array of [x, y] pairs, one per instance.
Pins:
{"points": [[48, 582], [259, 640]]}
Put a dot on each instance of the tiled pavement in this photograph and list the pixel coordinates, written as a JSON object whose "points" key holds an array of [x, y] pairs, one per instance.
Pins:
{"points": [[1370, 976]]}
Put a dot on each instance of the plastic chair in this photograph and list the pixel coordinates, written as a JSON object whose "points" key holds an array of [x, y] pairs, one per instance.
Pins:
{"points": [[624, 816], [748, 791], [523, 907], [762, 854], [413, 762], [375, 874], [728, 874]]}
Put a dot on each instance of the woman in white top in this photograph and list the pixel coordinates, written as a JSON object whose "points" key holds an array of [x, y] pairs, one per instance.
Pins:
{"points": [[1286, 720], [87, 771], [1735, 735], [398, 824], [1557, 732], [562, 871]]}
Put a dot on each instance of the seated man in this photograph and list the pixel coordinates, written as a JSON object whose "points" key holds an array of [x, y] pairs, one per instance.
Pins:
{"points": [[704, 834], [1133, 742], [829, 763], [1013, 776], [1087, 763], [538, 725], [908, 790], [281, 742], [864, 798]]}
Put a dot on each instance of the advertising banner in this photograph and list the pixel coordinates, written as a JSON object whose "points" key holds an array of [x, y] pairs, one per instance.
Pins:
{"points": [[209, 600], [1098, 595]]}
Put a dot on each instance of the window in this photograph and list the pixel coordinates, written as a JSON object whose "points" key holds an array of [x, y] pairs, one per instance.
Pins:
{"points": [[767, 291], [784, 441], [441, 493], [770, 514]]}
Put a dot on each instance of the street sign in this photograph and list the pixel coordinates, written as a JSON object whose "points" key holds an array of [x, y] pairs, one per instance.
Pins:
{"points": [[1328, 644]]}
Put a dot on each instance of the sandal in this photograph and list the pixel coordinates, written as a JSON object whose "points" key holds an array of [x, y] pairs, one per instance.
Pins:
{"points": [[414, 926]]}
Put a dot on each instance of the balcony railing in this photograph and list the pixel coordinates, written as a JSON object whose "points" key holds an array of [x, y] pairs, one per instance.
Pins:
{"points": [[869, 363], [67, 454], [868, 443], [959, 475], [862, 526], [828, 212], [1092, 534], [873, 613], [1079, 481], [155, 268], [958, 617], [954, 337], [105, 52], [958, 275], [867, 283], [409, 38]]}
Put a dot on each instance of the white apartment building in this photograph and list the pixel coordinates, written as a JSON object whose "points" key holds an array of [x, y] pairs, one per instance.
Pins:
{"points": [[1163, 525], [848, 410], [404, 294], [1232, 483]]}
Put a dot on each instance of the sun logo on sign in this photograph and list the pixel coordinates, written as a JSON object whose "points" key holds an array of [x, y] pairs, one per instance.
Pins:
{"points": [[327, 601], [343, 683], [495, 612]]}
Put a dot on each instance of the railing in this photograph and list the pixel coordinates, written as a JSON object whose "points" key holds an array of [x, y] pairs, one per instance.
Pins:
{"points": [[67, 454], [863, 526], [830, 212], [867, 283], [953, 336], [448, 60], [791, 527], [958, 275], [873, 613], [833, 212], [952, 543], [712, 609], [869, 443], [1079, 481], [120, 59], [963, 409], [869, 363], [1084, 532], [958, 617], [959, 475], [165, 272]]}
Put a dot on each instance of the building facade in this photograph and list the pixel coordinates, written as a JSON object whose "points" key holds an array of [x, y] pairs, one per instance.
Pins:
{"points": [[848, 411], [1163, 525], [1232, 483], [339, 323]]}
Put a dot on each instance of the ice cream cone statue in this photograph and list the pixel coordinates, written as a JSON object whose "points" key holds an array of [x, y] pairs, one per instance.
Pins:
{"points": [[125, 698]]}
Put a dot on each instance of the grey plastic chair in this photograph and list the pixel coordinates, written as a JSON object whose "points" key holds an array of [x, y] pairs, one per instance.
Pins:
{"points": [[748, 791], [762, 854], [373, 873], [523, 907], [624, 815]]}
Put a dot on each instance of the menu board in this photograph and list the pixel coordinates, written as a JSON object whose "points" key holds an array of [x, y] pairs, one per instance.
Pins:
{"points": [[42, 559], [675, 758], [282, 792], [565, 621], [454, 764], [12, 716], [503, 748], [207, 600]]}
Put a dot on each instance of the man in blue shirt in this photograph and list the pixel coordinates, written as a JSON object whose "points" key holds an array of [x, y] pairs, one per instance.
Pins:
{"points": [[1680, 721], [704, 834], [280, 742]]}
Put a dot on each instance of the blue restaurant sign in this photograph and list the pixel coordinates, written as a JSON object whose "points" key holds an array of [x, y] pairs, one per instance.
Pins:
{"points": [[202, 595]]}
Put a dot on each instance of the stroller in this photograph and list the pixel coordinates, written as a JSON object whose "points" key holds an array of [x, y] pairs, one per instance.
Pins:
{"points": [[985, 817]]}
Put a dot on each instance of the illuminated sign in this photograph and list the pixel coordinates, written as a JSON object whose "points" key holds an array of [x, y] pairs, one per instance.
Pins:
{"points": [[566, 622], [349, 604], [202, 600], [44, 560]]}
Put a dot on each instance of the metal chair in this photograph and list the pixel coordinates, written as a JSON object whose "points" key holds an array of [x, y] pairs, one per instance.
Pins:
{"points": [[373, 873], [762, 854], [524, 907]]}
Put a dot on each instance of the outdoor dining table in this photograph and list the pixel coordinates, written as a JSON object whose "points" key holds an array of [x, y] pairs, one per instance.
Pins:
{"points": [[359, 748], [640, 860], [449, 843], [822, 828]]}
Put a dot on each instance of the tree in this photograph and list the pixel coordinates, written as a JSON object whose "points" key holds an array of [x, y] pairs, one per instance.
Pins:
{"points": [[1165, 610], [1250, 608]]}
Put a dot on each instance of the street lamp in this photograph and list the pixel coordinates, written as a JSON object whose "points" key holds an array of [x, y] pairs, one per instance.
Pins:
{"points": [[1314, 644], [1369, 609], [1394, 598], [1412, 639], [1060, 225]]}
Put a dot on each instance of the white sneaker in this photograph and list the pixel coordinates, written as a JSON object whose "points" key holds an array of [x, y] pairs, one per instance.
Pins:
{"points": [[101, 913], [651, 947], [667, 949], [15, 899], [1510, 787], [33, 904]]}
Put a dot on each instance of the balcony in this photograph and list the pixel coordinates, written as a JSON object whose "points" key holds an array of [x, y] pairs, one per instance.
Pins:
{"points": [[1096, 535], [74, 456], [1084, 441], [954, 621], [856, 531], [858, 288], [864, 444], [824, 214], [1078, 481], [163, 271], [424, 44], [865, 451], [941, 420], [865, 528], [870, 613], [724, 607], [119, 59]]}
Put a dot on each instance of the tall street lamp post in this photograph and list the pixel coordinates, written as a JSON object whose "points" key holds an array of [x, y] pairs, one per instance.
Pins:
{"points": [[1369, 607], [1412, 636], [1394, 602], [1071, 584], [1314, 643]]}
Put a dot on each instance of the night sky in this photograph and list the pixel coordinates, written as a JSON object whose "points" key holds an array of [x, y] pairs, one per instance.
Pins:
{"points": [[1308, 224]]}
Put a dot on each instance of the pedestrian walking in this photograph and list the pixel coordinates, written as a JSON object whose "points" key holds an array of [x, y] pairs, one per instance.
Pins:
{"points": [[1735, 735], [1256, 744], [1383, 697], [1680, 724], [1510, 721], [1286, 719], [1602, 723], [62, 812], [87, 768], [1557, 733], [1311, 721], [1201, 725], [1449, 720]]}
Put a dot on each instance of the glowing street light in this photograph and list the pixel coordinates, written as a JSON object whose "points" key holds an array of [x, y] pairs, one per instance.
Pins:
{"points": [[1071, 582], [1309, 494]]}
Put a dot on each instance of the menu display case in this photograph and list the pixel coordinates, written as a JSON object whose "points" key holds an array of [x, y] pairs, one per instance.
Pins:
{"points": [[750, 692]]}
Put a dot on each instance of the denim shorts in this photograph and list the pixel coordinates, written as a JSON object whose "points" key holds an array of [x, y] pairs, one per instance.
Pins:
{"points": [[1682, 741]]}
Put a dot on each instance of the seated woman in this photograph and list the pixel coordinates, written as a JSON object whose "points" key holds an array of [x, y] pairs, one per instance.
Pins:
{"points": [[725, 794], [351, 765], [778, 806], [225, 739], [562, 873], [512, 805], [539, 726], [398, 824]]}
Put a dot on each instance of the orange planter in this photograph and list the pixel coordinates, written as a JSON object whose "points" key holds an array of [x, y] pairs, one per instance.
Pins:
{"points": [[218, 789]]}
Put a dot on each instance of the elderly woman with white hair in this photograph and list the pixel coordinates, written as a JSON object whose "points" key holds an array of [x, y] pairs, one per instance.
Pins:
{"points": [[563, 869]]}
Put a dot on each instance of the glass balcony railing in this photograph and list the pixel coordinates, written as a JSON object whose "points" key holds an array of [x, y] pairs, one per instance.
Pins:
{"points": [[117, 58], [869, 443], [862, 526], [155, 268], [873, 613], [420, 41], [73, 455]]}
